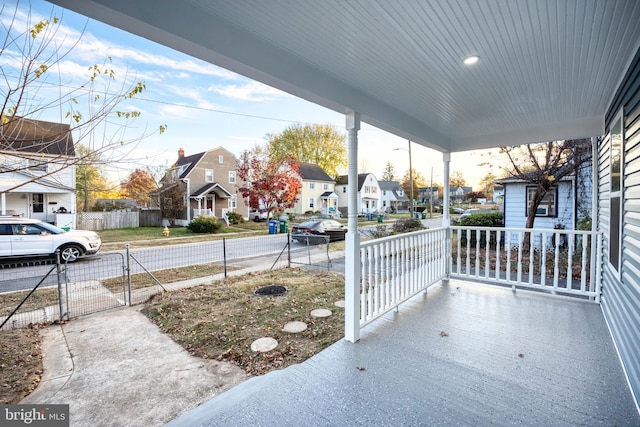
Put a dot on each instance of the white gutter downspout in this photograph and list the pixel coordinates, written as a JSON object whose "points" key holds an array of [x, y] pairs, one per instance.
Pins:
{"points": [[596, 242], [352, 251], [188, 182], [3, 202]]}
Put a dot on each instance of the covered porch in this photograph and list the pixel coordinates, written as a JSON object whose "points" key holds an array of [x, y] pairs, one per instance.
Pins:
{"points": [[462, 353]]}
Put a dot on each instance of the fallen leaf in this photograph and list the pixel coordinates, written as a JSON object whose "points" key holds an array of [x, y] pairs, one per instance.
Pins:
{"points": [[443, 334], [360, 368], [520, 355]]}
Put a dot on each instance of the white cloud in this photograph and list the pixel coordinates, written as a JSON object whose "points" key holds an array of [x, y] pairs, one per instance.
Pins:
{"points": [[251, 91]]}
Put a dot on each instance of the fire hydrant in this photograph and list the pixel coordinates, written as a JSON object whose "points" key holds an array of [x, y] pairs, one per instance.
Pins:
{"points": [[166, 231]]}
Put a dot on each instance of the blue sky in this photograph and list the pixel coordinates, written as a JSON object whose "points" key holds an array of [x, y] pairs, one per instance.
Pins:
{"points": [[205, 106]]}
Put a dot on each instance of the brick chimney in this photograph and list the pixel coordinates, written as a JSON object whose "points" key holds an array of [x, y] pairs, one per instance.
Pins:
{"points": [[180, 152]]}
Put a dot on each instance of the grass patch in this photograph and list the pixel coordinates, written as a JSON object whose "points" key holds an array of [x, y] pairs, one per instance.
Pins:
{"points": [[20, 363], [221, 320], [152, 236], [39, 299], [169, 275]]}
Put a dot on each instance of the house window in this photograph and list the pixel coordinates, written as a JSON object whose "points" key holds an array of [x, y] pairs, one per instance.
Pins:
{"points": [[37, 165], [232, 177], [312, 203], [547, 206], [208, 175], [616, 139], [232, 202], [325, 187], [312, 186], [221, 159], [168, 203]]}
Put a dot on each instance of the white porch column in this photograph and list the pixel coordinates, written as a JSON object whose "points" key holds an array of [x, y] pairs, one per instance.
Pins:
{"points": [[446, 160], [352, 252], [3, 203], [446, 218]]}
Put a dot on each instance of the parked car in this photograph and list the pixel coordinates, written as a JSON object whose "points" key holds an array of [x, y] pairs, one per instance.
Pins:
{"points": [[319, 231], [25, 237], [469, 212], [458, 211], [258, 214]]}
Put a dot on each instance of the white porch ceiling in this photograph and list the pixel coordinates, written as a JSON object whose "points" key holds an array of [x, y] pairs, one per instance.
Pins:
{"points": [[548, 68]]}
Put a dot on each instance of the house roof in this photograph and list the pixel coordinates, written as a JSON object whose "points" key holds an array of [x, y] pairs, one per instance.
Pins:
{"points": [[313, 172], [212, 187], [547, 68], [344, 179], [394, 187], [37, 136], [189, 162]]}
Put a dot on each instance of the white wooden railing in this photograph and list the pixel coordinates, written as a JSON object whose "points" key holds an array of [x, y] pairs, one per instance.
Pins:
{"points": [[395, 268], [561, 261], [202, 212]]}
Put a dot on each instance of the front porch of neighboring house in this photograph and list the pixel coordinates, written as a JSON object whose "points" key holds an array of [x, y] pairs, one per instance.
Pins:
{"points": [[329, 204], [45, 200], [211, 200]]}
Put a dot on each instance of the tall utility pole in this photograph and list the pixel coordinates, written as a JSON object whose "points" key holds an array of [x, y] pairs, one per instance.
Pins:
{"points": [[431, 195], [410, 179]]}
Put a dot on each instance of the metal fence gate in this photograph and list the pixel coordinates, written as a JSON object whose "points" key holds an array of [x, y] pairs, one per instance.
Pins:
{"points": [[51, 291]]}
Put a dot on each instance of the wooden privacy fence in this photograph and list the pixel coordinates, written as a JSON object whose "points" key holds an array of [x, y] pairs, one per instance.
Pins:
{"points": [[107, 220]]}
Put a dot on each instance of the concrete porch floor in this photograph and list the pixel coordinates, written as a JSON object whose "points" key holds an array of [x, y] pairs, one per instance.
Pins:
{"points": [[464, 354]]}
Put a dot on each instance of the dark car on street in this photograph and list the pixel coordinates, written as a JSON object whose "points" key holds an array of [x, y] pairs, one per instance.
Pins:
{"points": [[318, 231]]}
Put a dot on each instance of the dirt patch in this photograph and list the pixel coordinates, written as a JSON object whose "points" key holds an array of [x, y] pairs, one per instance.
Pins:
{"points": [[221, 320], [20, 363]]}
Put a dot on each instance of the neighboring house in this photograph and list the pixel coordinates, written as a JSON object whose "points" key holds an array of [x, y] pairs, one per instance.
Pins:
{"points": [[566, 202], [393, 197], [498, 194], [369, 200], [458, 195], [208, 181], [37, 171], [428, 195], [317, 192]]}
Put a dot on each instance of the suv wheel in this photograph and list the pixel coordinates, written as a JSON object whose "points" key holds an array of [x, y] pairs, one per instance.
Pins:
{"points": [[70, 253]]}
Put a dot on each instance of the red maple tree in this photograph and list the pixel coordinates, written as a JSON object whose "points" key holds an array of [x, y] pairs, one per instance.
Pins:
{"points": [[274, 185]]}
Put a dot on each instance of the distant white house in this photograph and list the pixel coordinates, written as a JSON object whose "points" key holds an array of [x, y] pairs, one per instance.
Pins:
{"points": [[393, 197], [37, 171], [369, 193]]}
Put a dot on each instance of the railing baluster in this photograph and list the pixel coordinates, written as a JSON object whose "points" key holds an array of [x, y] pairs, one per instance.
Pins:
{"points": [[543, 259], [570, 263], [498, 243], [583, 264]]}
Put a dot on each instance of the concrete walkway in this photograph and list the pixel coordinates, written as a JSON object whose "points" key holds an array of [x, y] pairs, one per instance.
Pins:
{"points": [[116, 368]]}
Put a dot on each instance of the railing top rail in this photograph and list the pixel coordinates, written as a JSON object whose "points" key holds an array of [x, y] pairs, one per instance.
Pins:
{"points": [[527, 230], [400, 236]]}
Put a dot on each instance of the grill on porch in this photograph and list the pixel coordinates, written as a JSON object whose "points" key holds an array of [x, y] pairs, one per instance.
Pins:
{"points": [[461, 354]]}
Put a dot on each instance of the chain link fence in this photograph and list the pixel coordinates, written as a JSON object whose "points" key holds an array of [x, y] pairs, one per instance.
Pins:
{"points": [[43, 291]]}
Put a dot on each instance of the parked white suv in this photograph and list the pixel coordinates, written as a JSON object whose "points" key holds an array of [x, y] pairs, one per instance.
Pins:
{"points": [[258, 214], [24, 237]]}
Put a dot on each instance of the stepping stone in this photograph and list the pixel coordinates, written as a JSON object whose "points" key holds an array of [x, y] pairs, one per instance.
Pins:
{"points": [[339, 303], [263, 345], [320, 313], [295, 327]]}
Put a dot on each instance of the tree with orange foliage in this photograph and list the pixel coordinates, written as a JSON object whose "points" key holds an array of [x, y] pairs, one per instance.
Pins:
{"points": [[270, 183], [138, 186]]}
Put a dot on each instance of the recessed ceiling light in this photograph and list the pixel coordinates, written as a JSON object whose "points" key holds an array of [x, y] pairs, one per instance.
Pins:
{"points": [[470, 60]]}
